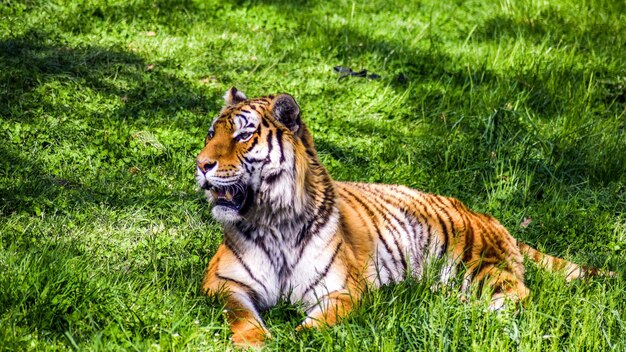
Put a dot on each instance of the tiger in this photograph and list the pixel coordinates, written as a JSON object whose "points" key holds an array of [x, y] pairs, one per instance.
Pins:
{"points": [[293, 233]]}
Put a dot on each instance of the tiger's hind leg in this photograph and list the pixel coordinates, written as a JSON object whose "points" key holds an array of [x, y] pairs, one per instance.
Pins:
{"points": [[494, 262], [510, 295], [506, 288]]}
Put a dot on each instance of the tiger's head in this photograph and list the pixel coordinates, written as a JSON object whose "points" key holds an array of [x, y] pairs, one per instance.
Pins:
{"points": [[253, 157]]}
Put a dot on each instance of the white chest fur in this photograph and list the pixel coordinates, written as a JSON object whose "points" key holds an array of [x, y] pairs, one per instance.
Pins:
{"points": [[287, 262]]}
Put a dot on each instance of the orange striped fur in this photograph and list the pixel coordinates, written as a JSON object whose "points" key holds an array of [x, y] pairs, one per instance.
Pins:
{"points": [[292, 232]]}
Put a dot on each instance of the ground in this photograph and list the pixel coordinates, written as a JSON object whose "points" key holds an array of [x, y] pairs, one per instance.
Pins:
{"points": [[516, 107]]}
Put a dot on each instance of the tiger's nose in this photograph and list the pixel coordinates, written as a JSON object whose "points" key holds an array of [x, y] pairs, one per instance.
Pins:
{"points": [[205, 165]]}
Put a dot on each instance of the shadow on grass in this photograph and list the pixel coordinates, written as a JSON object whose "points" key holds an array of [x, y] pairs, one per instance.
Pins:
{"points": [[295, 5], [34, 71], [554, 26], [437, 82], [30, 62]]}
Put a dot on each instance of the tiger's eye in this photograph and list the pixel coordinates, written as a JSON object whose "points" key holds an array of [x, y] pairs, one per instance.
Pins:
{"points": [[244, 136]]}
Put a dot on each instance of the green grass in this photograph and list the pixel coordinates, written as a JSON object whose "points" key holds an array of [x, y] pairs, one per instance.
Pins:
{"points": [[516, 107]]}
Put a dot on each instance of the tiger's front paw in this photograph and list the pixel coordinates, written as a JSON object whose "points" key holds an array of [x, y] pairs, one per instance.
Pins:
{"points": [[250, 336], [310, 323]]}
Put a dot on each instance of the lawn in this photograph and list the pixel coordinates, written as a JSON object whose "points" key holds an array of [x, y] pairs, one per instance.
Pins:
{"points": [[516, 107]]}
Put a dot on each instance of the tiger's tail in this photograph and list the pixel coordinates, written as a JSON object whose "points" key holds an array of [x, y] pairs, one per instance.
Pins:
{"points": [[572, 270]]}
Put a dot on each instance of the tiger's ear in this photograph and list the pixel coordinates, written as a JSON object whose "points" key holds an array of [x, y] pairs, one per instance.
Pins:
{"points": [[234, 96], [286, 111]]}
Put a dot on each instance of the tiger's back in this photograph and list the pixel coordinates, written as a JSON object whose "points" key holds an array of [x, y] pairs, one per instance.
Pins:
{"points": [[400, 231]]}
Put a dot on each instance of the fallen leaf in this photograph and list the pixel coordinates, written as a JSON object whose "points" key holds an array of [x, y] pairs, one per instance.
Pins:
{"points": [[209, 79], [150, 34], [150, 67], [525, 222], [132, 47]]}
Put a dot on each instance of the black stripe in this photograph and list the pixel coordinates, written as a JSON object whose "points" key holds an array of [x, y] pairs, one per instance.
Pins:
{"points": [[247, 232], [242, 116], [254, 160], [495, 225], [269, 143], [365, 223], [389, 198], [285, 270], [279, 138], [273, 259], [469, 242], [380, 236], [273, 177], [323, 274], [416, 248], [254, 142], [304, 233], [318, 220], [401, 206], [245, 286], [265, 123], [254, 296], [428, 235], [488, 250], [441, 222], [245, 266], [442, 208], [430, 232], [487, 234], [426, 231], [384, 212]]}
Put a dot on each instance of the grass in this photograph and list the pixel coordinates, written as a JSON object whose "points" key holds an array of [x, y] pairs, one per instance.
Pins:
{"points": [[516, 107]]}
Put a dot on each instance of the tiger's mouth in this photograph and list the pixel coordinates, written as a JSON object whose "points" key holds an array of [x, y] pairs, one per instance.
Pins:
{"points": [[237, 196]]}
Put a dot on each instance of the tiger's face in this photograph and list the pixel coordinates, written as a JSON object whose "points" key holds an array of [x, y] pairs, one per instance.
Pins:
{"points": [[248, 154]]}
